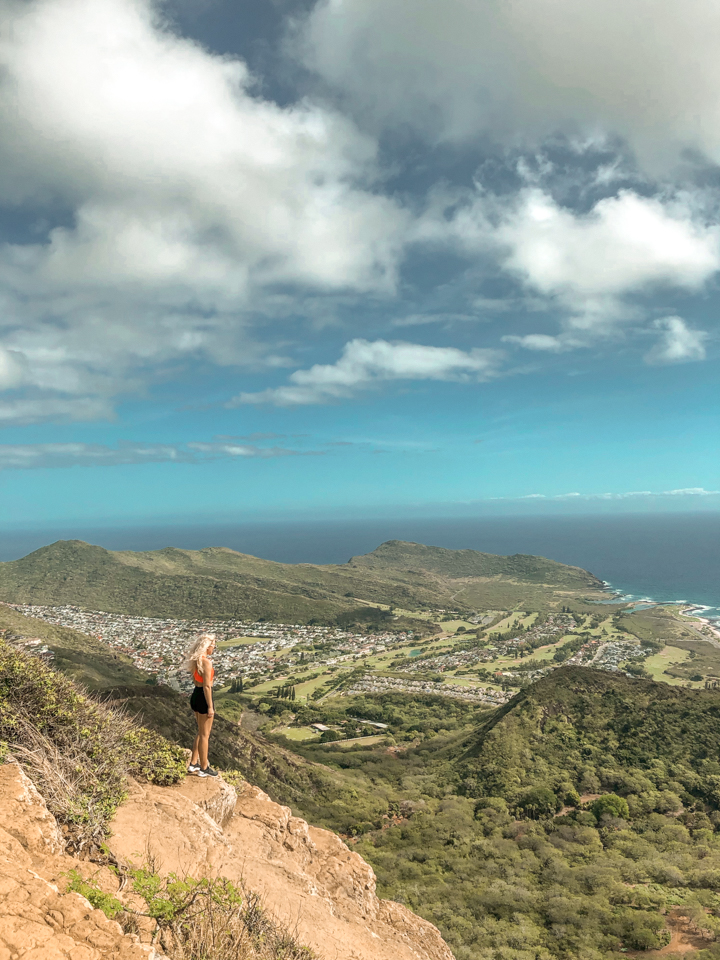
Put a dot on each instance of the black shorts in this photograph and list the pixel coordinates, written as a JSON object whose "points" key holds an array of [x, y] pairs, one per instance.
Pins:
{"points": [[198, 703]]}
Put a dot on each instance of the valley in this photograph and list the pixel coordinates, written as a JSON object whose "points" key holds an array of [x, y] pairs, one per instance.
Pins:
{"points": [[539, 780]]}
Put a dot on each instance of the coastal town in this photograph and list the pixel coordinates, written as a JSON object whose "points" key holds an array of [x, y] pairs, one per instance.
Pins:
{"points": [[250, 651], [485, 660]]}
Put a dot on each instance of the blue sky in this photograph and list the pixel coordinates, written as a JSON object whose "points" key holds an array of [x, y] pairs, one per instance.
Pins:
{"points": [[355, 258]]}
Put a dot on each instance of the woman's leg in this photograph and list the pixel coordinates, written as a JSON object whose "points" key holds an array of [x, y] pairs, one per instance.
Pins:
{"points": [[196, 744], [204, 725]]}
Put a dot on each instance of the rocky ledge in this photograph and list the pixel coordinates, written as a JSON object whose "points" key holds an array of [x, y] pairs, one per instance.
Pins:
{"points": [[308, 877], [37, 921]]}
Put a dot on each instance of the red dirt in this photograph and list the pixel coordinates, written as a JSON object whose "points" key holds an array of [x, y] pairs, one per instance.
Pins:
{"points": [[683, 938]]}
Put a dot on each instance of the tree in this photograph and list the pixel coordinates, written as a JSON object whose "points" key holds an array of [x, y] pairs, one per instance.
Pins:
{"points": [[572, 797], [328, 736], [537, 802], [610, 804]]}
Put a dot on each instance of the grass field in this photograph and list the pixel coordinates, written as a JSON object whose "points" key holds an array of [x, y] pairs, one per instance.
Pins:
{"points": [[358, 742], [659, 662], [241, 641], [451, 626], [548, 652], [415, 614], [267, 685], [309, 687], [298, 733], [700, 657]]}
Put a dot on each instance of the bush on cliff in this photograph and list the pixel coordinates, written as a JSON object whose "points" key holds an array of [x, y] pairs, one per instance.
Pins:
{"points": [[197, 919], [76, 750]]}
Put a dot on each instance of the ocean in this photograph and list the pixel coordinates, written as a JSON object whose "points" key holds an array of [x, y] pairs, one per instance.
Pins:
{"points": [[643, 556]]}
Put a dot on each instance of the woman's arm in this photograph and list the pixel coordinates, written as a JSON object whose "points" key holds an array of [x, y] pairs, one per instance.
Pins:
{"points": [[207, 686]]}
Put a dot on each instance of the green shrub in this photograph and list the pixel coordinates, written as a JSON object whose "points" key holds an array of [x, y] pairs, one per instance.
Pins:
{"points": [[77, 751], [330, 736], [611, 805], [89, 889], [198, 919], [538, 802]]}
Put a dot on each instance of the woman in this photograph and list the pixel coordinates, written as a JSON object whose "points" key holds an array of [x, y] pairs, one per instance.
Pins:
{"points": [[200, 665]]}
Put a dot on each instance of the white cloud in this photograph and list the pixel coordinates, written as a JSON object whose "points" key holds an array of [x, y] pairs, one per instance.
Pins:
{"points": [[588, 263], [13, 369], [647, 70], [186, 195], [221, 449], [629, 495], [50, 455], [539, 341], [363, 363], [678, 343], [19, 410], [626, 243]]}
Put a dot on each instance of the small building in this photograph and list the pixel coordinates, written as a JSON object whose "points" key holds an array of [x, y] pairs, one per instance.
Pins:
{"points": [[370, 723]]}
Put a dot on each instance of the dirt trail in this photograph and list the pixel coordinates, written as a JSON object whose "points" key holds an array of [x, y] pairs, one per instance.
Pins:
{"points": [[683, 938]]}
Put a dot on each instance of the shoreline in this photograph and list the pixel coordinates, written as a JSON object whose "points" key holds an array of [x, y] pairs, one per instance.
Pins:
{"points": [[686, 607]]}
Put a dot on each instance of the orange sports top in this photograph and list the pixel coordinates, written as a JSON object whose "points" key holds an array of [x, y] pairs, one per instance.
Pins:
{"points": [[199, 680]]}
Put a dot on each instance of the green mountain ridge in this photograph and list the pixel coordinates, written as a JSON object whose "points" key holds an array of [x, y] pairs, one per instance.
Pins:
{"points": [[221, 583], [405, 556], [499, 851], [582, 728]]}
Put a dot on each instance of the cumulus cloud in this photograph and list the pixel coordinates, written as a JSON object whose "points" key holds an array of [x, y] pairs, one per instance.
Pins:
{"points": [[646, 70], [43, 455], [591, 269], [184, 196], [364, 363], [178, 210], [13, 369], [589, 262], [678, 343]]}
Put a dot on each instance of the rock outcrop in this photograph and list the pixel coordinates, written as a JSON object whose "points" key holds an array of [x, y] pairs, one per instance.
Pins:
{"points": [[37, 921], [308, 877]]}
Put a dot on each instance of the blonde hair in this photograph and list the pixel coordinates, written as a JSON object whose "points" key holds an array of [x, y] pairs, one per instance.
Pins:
{"points": [[197, 650]]}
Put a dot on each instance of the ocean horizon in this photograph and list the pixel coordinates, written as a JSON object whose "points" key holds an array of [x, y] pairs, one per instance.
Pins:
{"points": [[660, 557]]}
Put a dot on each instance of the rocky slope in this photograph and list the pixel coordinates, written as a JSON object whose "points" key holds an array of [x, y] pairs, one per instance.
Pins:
{"points": [[37, 921], [310, 880]]}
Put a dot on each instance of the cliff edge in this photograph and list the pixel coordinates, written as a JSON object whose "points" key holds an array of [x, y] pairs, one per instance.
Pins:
{"points": [[309, 879]]}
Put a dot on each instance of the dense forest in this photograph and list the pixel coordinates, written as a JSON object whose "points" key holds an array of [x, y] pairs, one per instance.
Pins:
{"points": [[580, 821]]}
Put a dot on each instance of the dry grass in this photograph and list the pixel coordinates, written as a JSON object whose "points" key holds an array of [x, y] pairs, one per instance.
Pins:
{"points": [[77, 751], [217, 927], [205, 919], [75, 792]]}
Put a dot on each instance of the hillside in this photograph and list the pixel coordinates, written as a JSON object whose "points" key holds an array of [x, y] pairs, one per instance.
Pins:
{"points": [[111, 677], [217, 582], [99, 823], [96, 665], [397, 555], [475, 820], [586, 730], [581, 820]]}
